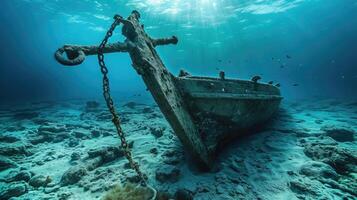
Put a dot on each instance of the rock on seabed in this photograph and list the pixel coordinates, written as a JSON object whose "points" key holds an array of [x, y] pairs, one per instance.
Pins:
{"points": [[168, 173], [73, 175], [340, 134], [13, 190], [6, 163]]}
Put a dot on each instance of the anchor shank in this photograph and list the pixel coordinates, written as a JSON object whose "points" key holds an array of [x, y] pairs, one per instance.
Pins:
{"points": [[76, 53], [163, 86]]}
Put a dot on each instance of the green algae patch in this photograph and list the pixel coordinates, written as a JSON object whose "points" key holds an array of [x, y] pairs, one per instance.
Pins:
{"points": [[129, 192]]}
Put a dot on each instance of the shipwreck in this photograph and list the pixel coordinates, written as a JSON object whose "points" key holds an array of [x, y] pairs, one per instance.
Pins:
{"points": [[204, 112]]}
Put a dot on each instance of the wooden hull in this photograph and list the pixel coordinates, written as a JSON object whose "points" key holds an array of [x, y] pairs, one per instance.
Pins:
{"points": [[203, 112], [223, 109]]}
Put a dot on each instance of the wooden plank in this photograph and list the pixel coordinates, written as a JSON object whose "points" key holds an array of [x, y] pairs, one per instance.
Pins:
{"points": [[234, 96]]}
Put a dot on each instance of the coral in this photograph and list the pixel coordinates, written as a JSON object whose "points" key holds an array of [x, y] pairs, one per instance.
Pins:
{"points": [[128, 192]]}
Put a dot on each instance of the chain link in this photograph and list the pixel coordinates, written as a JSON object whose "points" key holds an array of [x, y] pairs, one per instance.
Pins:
{"points": [[110, 104]]}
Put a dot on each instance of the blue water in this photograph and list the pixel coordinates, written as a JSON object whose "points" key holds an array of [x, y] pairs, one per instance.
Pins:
{"points": [[314, 40]]}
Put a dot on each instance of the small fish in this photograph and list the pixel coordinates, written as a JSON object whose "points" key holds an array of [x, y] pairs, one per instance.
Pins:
{"points": [[295, 84], [282, 66], [288, 57], [270, 82], [272, 58], [219, 60], [277, 85], [217, 68]]}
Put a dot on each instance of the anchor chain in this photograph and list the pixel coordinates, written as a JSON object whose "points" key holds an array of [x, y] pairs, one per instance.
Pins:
{"points": [[110, 104]]}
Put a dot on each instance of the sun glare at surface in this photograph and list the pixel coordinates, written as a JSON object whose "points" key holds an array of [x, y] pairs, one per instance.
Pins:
{"points": [[200, 10], [211, 12], [155, 2]]}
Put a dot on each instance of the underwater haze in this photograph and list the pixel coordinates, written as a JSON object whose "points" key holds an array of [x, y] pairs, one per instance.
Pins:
{"points": [[311, 43], [284, 129]]}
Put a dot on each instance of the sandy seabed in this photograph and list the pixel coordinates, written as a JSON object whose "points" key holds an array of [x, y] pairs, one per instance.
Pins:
{"points": [[69, 150]]}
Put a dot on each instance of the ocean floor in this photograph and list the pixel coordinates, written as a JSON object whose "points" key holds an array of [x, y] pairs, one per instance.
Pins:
{"points": [[69, 150]]}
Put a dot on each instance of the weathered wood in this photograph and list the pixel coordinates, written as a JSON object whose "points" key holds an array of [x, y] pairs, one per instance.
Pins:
{"points": [[225, 109], [162, 86]]}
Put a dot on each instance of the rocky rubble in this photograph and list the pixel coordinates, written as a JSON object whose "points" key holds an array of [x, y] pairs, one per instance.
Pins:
{"points": [[167, 173], [71, 151], [6, 163], [340, 134], [13, 190], [15, 175], [333, 165], [16, 150], [341, 159], [73, 175], [40, 181]]}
